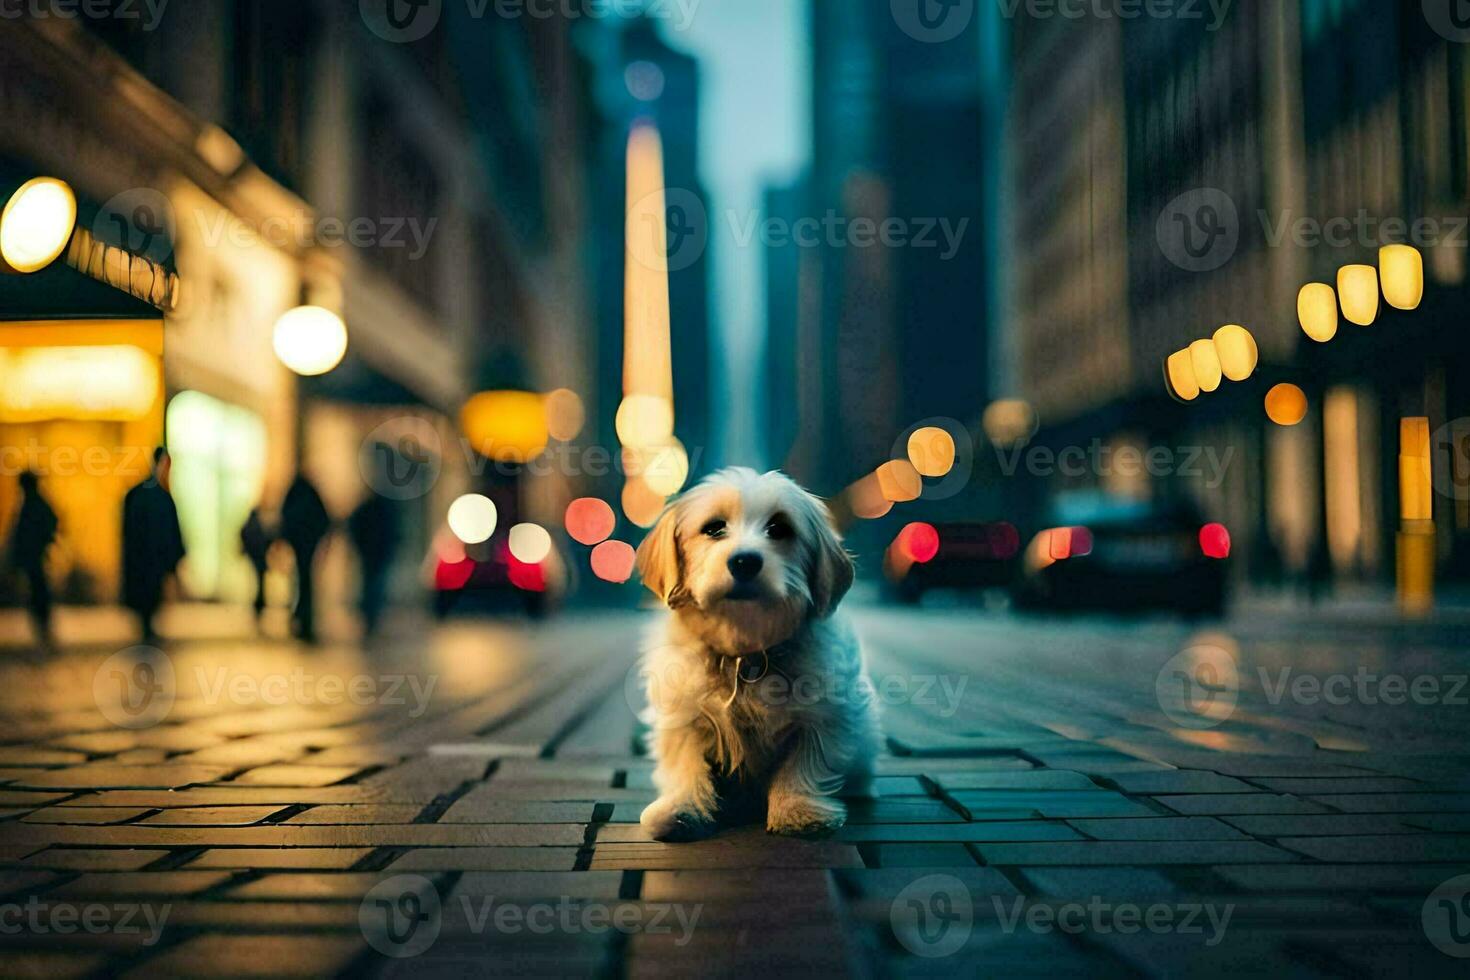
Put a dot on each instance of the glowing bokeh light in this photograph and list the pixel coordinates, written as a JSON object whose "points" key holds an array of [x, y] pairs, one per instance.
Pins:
{"points": [[1357, 289], [530, 543], [1401, 267], [451, 576], [919, 542], [506, 426], [565, 414], [1008, 421], [1214, 541], [1237, 351], [665, 467], [1316, 310], [645, 420], [931, 450], [641, 503], [116, 383], [36, 224], [613, 561], [1416, 473], [590, 520], [865, 499], [310, 340], [1206, 363], [1179, 376], [899, 481], [1286, 404], [472, 518]]}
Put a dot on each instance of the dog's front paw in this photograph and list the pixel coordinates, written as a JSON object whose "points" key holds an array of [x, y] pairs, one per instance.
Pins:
{"points": [[804, 816], [675, 821]]}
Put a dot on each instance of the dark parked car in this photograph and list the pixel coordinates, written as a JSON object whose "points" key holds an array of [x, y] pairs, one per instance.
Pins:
{"points": [[1112, 554], [966, 555]]}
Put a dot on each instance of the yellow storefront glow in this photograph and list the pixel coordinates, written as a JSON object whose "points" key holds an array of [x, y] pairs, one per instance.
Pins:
{"points": [[506, 426], [106, 384]]}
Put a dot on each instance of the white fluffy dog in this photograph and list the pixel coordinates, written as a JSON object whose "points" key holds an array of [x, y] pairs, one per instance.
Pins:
{"points": [[757, 694]]}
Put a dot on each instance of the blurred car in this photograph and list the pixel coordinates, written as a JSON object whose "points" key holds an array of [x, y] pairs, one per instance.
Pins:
{"points": [[489, 578], [1112, 554], [960, 555]]}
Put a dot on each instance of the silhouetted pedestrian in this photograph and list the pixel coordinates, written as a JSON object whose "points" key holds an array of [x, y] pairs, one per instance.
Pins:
{"points": [[304, 523], [255, 542], [153, 544], [374, 530], [35, 529]]}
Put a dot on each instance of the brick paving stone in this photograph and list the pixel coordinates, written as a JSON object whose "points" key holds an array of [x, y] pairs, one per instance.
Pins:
{"points": [[493, 792], [890, 765], [901, 810], [305, 858], [1002, 804], [141, 884], [1225, 804], [1374, 849], [242, 753], [98, 743], [1414, 879], [287, 886], [1397, 802], [986, 830], [20, 798], [1113, 884], [84, 859], [942, 855], [487, 859], [210, 816], [1158, 829], [1034, 779], [51, 964], [140, 757], [1315, 787], [305, 776], [886, 786], [373, 813], [353, 755], [1453, 823], [1322, 825], [103, 775], [253, 956], [12, 773], [29, 755], [522, 811], [24, 881], [9, 812], [287, 835], [1178, 781], [85, 814], [882, 885], [221, 915], [543, 885], [1142, 853], [799, 887], [746, 847], [11, 853], [248, 795]]}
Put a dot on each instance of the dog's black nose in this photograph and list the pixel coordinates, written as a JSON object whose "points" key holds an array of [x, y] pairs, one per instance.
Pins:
{"points": [[745, 565]]}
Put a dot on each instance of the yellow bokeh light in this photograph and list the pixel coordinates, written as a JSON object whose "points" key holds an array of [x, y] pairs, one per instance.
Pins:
{"points": [[1179, 376], [664, 468], [641, 503], [472, 518], [899, 481], [1286, 404], [506, 426], [310, 340], [931, 450], [1401, 268], [1237, 352], [645, 420], [1316, 310], [565, 414], [36, 224], [530, 543], [865, 499], [1357, 288], [1206, 362], [1008, 421]]}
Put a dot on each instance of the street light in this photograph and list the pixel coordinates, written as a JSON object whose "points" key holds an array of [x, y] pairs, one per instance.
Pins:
{"points": [[36, 225], [310, 340]]}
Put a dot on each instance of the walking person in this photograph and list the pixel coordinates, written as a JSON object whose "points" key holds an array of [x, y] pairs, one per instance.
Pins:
{"points": [[35, 529], [304, 523], [153, 543], [255, 542], [373, 528]]}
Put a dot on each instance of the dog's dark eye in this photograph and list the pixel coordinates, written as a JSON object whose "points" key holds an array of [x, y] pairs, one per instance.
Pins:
{"points": [[713, 529], [779, 528]]}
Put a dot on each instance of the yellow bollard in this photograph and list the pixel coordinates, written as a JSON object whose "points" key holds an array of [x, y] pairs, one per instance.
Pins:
{"points": [[1416, 551]]}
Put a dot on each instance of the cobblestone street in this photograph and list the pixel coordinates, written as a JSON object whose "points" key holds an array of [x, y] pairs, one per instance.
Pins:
{"points": [[1086, 799]]}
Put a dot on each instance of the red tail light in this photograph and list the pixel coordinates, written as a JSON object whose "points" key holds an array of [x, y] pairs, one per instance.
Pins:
{"points": [[1214, 541], [919, 542]]}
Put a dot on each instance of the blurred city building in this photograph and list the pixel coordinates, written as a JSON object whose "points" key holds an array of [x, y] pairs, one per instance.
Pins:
{"points": [[1274, 127], [430, 193]]}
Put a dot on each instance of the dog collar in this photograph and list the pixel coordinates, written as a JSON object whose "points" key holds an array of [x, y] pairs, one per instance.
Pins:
{"points": [[752, 667]]}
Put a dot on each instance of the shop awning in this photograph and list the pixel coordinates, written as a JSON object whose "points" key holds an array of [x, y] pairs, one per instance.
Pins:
{"points": [[62, 293]]}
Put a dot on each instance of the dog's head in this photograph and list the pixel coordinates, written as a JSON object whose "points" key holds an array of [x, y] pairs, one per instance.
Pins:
{"points": [[748, 547]]}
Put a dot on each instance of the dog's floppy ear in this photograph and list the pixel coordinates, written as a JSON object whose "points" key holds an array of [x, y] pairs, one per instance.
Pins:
{"points": [[659, 563], [831, 572]]}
